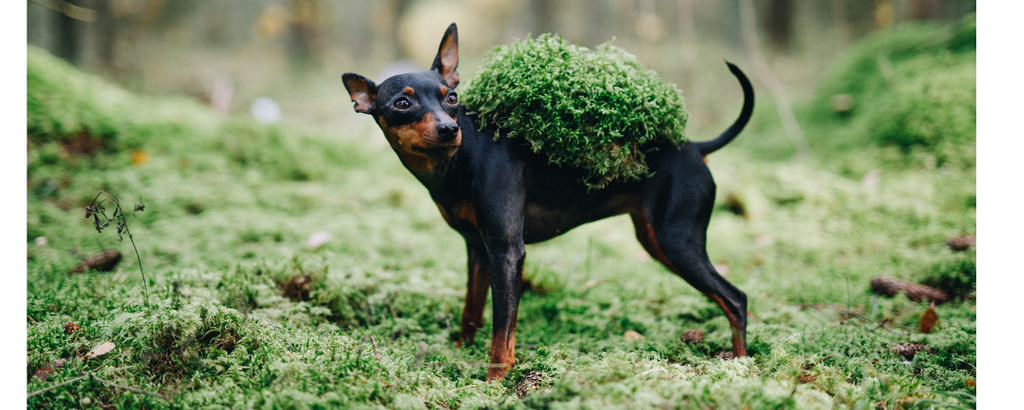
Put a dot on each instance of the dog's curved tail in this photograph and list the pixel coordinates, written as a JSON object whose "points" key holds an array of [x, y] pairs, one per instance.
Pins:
{"points": [[707, 147]]}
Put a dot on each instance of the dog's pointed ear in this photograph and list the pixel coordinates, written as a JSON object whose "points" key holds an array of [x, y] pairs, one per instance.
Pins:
{"points": [[362, 90], [447, 59]]}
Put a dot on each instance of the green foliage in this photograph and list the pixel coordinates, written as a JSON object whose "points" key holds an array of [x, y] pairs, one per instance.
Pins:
{"points": [[912, 87], [598, 110]]}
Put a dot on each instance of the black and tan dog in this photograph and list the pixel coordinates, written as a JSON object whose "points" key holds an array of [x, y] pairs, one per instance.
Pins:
{"points": [[500, 195]]}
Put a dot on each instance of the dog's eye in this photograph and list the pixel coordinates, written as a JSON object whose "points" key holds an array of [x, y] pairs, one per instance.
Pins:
{"points": [[402, 103], [453, 98]]}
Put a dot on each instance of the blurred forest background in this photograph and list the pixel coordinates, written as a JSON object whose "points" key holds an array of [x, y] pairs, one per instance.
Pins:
{"points": [[231, 52]]}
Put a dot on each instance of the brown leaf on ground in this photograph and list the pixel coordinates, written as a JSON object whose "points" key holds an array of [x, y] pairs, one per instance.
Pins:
{"points": [[49, 369], [532, 381], [632, 335], [692, 336], [962, 242], [909, 350], [725, 354], [100, 350], [71, 327], [101, 262], [972, 383], [928, 320], [890, 286]]}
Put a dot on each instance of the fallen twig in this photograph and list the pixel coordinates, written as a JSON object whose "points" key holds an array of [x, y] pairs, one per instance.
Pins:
{"points": [[379, 360], [127, 388], [883, 323], [656, 369], [889, 286], [460, 388], [966, 362], [374, 342], [41, 391], [273, 325]]}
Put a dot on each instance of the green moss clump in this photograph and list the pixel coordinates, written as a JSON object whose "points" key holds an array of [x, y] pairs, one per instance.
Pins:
{"points": [[593, 109], [912, 87], [957, 276]]}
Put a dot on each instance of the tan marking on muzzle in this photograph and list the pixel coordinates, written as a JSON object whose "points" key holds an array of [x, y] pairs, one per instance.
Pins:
{"points": [[422, 135]]}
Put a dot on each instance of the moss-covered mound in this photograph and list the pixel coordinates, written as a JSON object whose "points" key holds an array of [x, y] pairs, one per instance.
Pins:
{"points": [[79, 120], [592, 109], [913, 87]]}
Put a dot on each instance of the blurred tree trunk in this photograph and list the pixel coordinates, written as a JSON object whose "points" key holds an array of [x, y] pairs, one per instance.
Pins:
{"points": [[728, 23], [69, 31], [543, 12], [778, 23], [841, 22], [307, 40], [925, 9], [107, 28], [859, 15], [399, 8], [702, 112], [597, 13], [762, 71], [383, 27], [357, 33]]}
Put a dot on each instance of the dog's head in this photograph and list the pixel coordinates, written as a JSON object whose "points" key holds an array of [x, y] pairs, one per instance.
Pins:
{"points": [[417, 111]]}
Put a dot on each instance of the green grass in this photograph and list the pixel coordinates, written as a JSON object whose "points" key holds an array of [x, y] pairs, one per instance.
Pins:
{"points": [[230, 203]]}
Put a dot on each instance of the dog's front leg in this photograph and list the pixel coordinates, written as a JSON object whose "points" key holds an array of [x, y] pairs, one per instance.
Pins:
{"points": [[500, 217], [478, 283], [506, 262]]}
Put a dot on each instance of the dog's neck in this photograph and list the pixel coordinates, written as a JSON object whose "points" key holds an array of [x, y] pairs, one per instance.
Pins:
{"points": [[437, 178]]}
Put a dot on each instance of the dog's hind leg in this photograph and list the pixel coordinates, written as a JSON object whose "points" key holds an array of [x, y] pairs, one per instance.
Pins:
{"points": [[677, 239], [476, 293]]}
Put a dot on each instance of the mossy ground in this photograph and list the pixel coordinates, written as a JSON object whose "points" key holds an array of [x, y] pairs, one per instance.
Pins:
{"points": [[231, 202]]}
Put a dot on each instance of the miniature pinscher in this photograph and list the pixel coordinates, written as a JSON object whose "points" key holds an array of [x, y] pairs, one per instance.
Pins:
{"points": [[500, 195]]}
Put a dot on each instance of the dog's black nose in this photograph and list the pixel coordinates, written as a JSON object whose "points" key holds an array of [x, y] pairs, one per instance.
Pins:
{"points": [[448, 131]]}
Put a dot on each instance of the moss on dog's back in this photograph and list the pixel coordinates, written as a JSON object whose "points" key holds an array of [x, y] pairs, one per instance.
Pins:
{"points": [[593, 109]]}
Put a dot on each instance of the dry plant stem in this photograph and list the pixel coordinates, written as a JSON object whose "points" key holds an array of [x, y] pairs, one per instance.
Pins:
{"points": [[748, 25], [379, 360], [145, 285], [119, 213]]}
